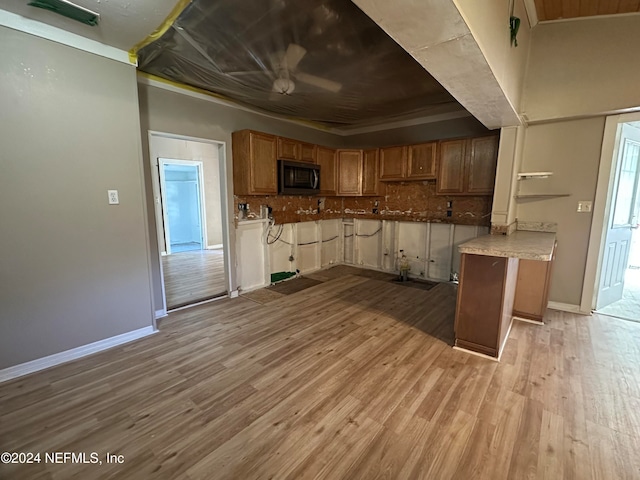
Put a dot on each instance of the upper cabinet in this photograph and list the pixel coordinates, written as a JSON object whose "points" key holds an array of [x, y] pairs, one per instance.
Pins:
{"points": [[422, 161], [349, 172], [450, 178], [393, 163], [326, 158], [464, 166], [467, 166], [254, 163], [294, 150], [483, 160], [370, 175], [358, 173], [413, 162]]}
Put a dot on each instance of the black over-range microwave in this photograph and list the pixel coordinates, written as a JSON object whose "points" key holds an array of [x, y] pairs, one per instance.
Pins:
{"points": [[297, 178]]}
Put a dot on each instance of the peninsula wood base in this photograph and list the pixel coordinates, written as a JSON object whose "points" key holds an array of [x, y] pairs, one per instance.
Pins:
{"points": [[485, 302]]}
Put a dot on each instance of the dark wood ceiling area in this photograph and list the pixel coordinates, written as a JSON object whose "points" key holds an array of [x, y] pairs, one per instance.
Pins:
{"points": [[557, 9]]}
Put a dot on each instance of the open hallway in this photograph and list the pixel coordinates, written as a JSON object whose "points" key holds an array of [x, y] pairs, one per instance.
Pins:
{"points": [[193, 276], [352, 378]]}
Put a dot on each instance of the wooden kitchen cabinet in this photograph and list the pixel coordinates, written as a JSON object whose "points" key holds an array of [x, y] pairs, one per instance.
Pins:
{"points": [[532, 288], [422, 161], [370, 179], [254, 163], [307, 152], [349, 172], [326, 158], [485, 303], [289, 149], [451, 167], [481, 166], [393, 163], [412, 162], [467, 166]]}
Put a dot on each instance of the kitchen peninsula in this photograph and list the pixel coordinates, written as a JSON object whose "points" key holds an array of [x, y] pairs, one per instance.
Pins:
{"points": [[488, 282]]}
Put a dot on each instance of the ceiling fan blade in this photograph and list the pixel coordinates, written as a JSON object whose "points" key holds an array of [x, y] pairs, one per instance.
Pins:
{"points": [[319, 82], [293, 55], [240, 74]]}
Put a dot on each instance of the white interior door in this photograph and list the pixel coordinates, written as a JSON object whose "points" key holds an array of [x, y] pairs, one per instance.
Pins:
{"points": [[622, 219]]}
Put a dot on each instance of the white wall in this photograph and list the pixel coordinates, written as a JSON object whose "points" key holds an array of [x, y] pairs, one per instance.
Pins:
{"points": [[571, 150], [583, 67], [73, 269]]}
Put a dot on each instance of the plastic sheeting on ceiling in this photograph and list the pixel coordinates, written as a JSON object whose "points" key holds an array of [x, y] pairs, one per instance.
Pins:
{"points": [[322, 61]]}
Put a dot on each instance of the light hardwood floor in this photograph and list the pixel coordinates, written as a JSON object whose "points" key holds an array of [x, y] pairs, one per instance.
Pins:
{"points": [[354, 378], [193, 276]]}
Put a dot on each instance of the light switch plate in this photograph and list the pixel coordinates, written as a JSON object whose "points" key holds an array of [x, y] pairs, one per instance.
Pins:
{"points": [[113, 197], [585, 206]]}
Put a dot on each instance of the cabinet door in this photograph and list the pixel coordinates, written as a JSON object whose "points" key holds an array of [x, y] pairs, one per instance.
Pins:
{"points": [[422, 161], [326, 158], [288, 149], [307, 152], [481, 168], [393, 163], [370, 172], [451, 167], [262, 164], [349, 172]]}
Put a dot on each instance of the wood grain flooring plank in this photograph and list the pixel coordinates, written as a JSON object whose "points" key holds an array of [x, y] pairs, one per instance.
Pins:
{"points": [[351, 378]]}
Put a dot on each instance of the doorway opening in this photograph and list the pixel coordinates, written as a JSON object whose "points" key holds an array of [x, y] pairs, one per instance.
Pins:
{"points": [[618, 288], [184, 219], [188, 177]]}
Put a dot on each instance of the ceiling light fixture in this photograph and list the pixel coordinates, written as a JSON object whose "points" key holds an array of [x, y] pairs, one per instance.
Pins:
{"points": [[69, 10], [284, 86]]}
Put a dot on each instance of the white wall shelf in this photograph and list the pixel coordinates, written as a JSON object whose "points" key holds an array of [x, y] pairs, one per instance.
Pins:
{"points": [[541, 195], [533, 175]]}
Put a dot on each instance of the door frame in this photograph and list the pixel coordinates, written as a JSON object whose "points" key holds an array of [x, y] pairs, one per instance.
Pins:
{"points": [[162, 161], [602, 207], [224, 204]]}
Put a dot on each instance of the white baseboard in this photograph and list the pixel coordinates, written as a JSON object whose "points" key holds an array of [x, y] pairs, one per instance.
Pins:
{"points": [[161, 313], [214, 247], [73, 354], [247, 290], [527, 320], [566, 307]]}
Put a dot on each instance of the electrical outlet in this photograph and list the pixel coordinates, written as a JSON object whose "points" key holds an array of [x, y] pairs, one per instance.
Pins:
{"points": [[113, 197], [585, 206]]}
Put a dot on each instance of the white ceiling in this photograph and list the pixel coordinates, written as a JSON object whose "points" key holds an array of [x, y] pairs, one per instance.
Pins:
{"points": [[123, 23]]}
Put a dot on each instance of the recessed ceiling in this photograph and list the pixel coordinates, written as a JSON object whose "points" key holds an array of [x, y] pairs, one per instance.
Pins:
{"points": [[557, 9], [123, 23], [318, 60]]}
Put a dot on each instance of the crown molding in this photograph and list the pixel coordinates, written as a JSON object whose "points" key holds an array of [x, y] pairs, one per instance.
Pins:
{"points": [[157, 82]]}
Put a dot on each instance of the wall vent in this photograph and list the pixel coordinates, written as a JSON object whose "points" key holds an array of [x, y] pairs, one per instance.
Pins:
{"points": [[69, 10]]}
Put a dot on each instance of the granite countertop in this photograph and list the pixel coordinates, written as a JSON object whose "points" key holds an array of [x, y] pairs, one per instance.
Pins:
{"points": [[520, 244]]}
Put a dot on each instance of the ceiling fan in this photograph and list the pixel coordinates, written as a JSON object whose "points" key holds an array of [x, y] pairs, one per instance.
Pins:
{"points": [[284, 65], [286, 69]]}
